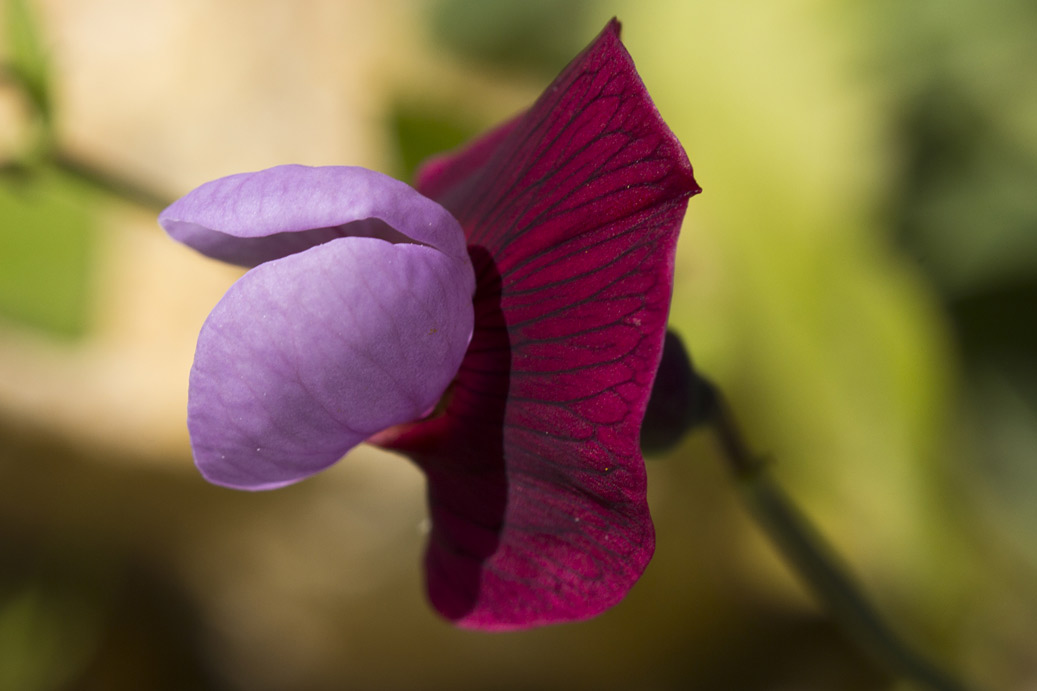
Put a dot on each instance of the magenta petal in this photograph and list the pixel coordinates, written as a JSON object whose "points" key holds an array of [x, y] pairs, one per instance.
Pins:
{"points": [[251, 218], [308, 355], [536, 480]]}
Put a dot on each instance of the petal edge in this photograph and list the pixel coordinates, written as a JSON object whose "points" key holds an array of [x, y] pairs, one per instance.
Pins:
{"points": [[572, 213], [309, 355], [251, 218]]}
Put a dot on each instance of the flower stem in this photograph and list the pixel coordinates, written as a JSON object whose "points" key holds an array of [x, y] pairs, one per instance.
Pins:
{"points": [[44, 152], [109, 183], [815, 563]]}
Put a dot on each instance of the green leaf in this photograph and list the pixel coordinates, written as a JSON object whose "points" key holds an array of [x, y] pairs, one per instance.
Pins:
{"points": [[47, 635], [46, 247], [527, 35], [422, 130], [27, 61]]}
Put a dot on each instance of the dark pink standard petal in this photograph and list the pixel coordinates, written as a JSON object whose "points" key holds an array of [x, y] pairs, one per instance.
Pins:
{"points": [[536, 481]]}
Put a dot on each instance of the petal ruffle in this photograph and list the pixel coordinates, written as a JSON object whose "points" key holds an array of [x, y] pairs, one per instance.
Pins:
{"points": [[251, 218], [572, 212], [308, 355]]}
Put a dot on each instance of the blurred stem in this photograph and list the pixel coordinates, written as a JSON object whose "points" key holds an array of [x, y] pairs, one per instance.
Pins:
{"points": [[815, 563], [97, 179], [44, 151], [108, 183]]}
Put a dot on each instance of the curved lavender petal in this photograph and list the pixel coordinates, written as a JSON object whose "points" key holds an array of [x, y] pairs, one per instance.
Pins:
{"points": [[536, 482], [307, 356], [251, 218]]}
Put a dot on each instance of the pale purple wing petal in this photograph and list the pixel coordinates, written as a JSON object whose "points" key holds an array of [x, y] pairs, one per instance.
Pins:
{"points": [[251, 218], [572, 222], [308, 355]]}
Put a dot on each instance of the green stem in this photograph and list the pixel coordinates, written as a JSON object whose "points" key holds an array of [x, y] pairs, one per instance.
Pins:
{"points": [[98, 180], [109, 183], [817, 566], [44, 151]]}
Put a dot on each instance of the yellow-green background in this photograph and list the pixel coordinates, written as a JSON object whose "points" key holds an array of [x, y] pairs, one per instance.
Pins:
{"points": [[860, 275]]}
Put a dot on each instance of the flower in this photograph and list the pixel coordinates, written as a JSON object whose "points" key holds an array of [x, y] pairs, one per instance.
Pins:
{"points": [[504, 336]]}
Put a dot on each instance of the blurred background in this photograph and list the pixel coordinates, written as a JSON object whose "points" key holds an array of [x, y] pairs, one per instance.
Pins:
{"points": [[860, 276]]}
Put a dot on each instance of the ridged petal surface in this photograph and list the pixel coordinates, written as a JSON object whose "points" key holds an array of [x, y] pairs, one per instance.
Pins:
{"points": [[355, 319], [536, 481], [250, 218]]}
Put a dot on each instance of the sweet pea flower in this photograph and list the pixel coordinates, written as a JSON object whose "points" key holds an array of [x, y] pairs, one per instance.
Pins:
{"points": [[500, 325]]}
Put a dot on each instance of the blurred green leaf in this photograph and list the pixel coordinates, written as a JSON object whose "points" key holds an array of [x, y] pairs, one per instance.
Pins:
{"points": [[966, 207], [46, 637], [826, 343], [535, 35], [423, 131], [998, 339], [28, 61], [46, 247], [1002, 405]]}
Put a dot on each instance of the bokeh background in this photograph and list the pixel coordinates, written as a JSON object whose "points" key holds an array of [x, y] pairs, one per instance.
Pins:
{"points": [[860, 276]]}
